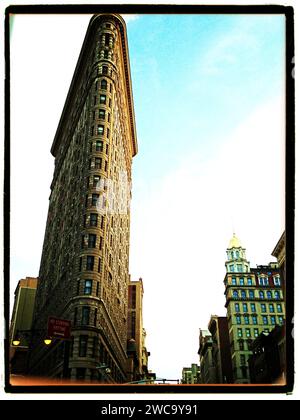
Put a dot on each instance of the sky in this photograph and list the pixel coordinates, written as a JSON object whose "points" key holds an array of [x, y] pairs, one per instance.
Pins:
{"points": [[209, 104]]}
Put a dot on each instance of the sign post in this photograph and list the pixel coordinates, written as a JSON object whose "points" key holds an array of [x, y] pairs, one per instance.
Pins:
{"points": [[59, 328]]}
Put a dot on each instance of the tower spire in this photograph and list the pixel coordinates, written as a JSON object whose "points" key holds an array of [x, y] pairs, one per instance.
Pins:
{"points": [[236, 257]]}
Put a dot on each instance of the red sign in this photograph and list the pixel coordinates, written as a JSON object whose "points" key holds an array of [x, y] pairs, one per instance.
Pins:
{"points": [[59, 328]]}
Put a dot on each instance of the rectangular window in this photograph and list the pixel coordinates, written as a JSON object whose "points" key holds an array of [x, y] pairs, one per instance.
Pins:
{"points": [[242, 281], [277, 295], [269, 295], [251, 294], [95, 198], [243, 294], [239, 332], [101, 114], [246, 318], [277, 281], [253, 308], [238, 320], [83, 339], [265, 320], [256, 333], [261, 294], [273, 320], [235, 294], [271, 308], [249, 282], [279, 307], [93, 219], [239, 268], [245, 307], [263, 307], [100, 130], [231, 269], [102, 99], [280, 320], [237, 307], [99, 146], [85, 320], [90, 263], [241, 345], [92, 130], [98, 163], [88, 287], [104, 70], [97, 290], [107, 133], [96, 181], [254, 319], [243, 359]]}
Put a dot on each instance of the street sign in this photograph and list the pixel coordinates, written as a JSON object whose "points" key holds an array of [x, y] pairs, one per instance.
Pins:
{"points": [[59, 328]]}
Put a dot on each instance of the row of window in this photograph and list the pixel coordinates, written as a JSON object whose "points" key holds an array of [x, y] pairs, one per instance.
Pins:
{"points": [[100, 131], [98, 146], [102, 100], [266, 320], [90, 240], [101, 115], [85, 316], [88, 287], [97, 182], [240, 268], [103, 84], [253, 307], [247, 332], [90, 263], [262, 281], [91, 220], [244, 294]]}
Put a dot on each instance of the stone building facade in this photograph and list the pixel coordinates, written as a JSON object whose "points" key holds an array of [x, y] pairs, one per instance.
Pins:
{"points": [[84, 272], [254, 302]]}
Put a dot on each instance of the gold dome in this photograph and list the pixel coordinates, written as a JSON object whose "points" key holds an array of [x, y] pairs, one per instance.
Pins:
{"points": [[234, 242]]}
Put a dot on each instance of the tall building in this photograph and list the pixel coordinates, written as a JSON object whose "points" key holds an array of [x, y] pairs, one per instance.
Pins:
{"points": [[254, 302], [218, 327], [84, 273], [135, 331], [207, 366], [21, 322]]}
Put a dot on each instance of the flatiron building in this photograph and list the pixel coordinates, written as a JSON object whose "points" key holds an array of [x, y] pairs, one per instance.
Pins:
{"points": [[84, 274]]}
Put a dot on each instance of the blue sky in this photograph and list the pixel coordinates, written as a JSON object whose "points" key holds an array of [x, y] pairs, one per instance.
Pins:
{"points": [[209, 103]]}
